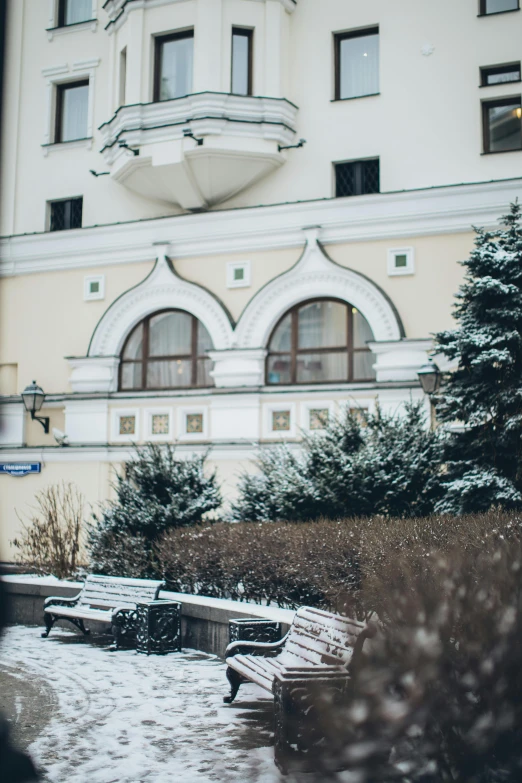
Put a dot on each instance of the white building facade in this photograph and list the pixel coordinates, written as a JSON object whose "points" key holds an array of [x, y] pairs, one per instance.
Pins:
{"points": [[225, 221]]}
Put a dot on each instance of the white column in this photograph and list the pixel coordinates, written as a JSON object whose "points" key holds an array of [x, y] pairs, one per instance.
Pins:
{"points": [[12, 424], [235, 418], [87, 421], [135, 59], [94, 373], [274, 25], [239, 367], [208, 36], [400, 360]]}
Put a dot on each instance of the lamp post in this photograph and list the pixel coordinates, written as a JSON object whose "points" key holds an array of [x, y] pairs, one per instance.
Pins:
{"points": [[430, 378], [33, 397]]}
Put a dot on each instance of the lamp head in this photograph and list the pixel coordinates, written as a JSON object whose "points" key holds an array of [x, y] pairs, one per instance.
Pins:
{"points": [[33, 397], [430, 377]]}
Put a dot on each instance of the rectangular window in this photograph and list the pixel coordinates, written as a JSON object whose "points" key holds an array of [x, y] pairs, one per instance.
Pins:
{"points": [[242, 48], [173, 66], [356, 63], [502, 125], [357, 178], [123, 75], [498, 6], [499, 74], [72, 102], [74, 11], [66, 214]]}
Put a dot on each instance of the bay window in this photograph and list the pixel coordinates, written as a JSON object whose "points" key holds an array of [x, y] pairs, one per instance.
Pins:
{"points": [[173, 69]]}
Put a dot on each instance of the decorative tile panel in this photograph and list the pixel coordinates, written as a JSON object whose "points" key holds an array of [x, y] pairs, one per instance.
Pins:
{"points": [[160, 423], [194, 423], [280, 421], [319, 418], [127, 425]]}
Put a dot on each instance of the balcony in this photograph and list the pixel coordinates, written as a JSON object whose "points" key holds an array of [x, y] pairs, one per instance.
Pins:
{"points": [[238, 145]]}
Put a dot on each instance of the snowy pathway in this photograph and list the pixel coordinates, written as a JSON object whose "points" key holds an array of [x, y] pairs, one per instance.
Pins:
{"points": [[128, 718]]}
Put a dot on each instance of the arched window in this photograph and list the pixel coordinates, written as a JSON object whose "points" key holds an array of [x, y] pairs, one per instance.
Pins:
{"points": [[167, 350], [321, 341]]}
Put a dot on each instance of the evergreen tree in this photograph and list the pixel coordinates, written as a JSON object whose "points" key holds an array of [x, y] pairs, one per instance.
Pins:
{"points": [[156, 492], [484, 394], [384, 464]]}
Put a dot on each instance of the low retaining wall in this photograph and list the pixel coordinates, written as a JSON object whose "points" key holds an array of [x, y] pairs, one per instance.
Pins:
{"points": [[204, 620]]}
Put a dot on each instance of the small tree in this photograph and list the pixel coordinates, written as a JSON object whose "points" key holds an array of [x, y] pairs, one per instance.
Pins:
{"points": [[484, 459], [51, 540], [156, 492], [384, 464]]}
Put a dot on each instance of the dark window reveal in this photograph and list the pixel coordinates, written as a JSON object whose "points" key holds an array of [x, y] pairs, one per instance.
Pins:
{"points": [[173, 66], [320, 341], [242, 41], [497, 6], [72, 102], [66, 214], [74, 12], [357, 178], [499, 74], [502, 125], [167, 350], [356, 63]]}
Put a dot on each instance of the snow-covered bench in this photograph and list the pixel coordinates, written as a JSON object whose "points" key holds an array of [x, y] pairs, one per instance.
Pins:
{"points": [[106, 599], [318, 643]]}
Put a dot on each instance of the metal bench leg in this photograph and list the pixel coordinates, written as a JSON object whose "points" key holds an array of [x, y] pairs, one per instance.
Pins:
{"points": [[235, 681], [49, 621]]}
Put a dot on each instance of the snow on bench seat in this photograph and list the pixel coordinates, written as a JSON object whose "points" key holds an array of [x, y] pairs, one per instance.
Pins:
{"points": [[317, 642]]}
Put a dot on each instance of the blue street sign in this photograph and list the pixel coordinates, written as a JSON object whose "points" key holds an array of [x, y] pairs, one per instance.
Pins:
{"points": [[20, 468]]}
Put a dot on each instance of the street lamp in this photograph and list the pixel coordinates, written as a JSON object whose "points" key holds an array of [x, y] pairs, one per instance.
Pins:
{"points": [[430, 378], [33, 397]]}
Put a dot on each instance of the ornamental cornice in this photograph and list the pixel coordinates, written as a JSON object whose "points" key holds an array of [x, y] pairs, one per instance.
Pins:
{"points": [[393, 216]]}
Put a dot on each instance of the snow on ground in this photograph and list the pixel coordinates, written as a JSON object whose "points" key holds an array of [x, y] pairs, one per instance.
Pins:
{"points": [[129, 718]]}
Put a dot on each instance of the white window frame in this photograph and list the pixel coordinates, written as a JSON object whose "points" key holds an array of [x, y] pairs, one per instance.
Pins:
{"points": [[409, 269], [89, 24], [273, 407], [62, 74], [231, 267], [311, 405], [88, 296], [149, 413], [115, 425], [183, 412]]}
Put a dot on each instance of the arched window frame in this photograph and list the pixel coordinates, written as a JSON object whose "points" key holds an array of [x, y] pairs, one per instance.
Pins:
{"points": [[193, 356], [295, 350]]}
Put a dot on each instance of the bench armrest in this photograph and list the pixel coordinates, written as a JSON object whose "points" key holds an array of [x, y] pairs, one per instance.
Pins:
{"points": [[54, 600], [122, 614], [268, 649]]}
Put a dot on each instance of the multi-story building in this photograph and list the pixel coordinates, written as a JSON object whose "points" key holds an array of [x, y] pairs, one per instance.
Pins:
{"points": [[179, 265]]}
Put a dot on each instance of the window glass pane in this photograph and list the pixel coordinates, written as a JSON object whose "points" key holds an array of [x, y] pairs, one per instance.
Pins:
{"points": [[134, 346], [131, 375], [240, 63], [170, 334], [505, 127], [77, 11], [282, 337], [176, 68], [495, 6], [318, 367], [499, 77], [363, 362], [361, 330], [279, 369], [359, 66], [322, 325], [204, 377], [169, 374], [204, 341], [74, 112]]}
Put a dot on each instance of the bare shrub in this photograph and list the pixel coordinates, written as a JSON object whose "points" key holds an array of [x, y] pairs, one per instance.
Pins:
{"points": [[52, 537]]}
